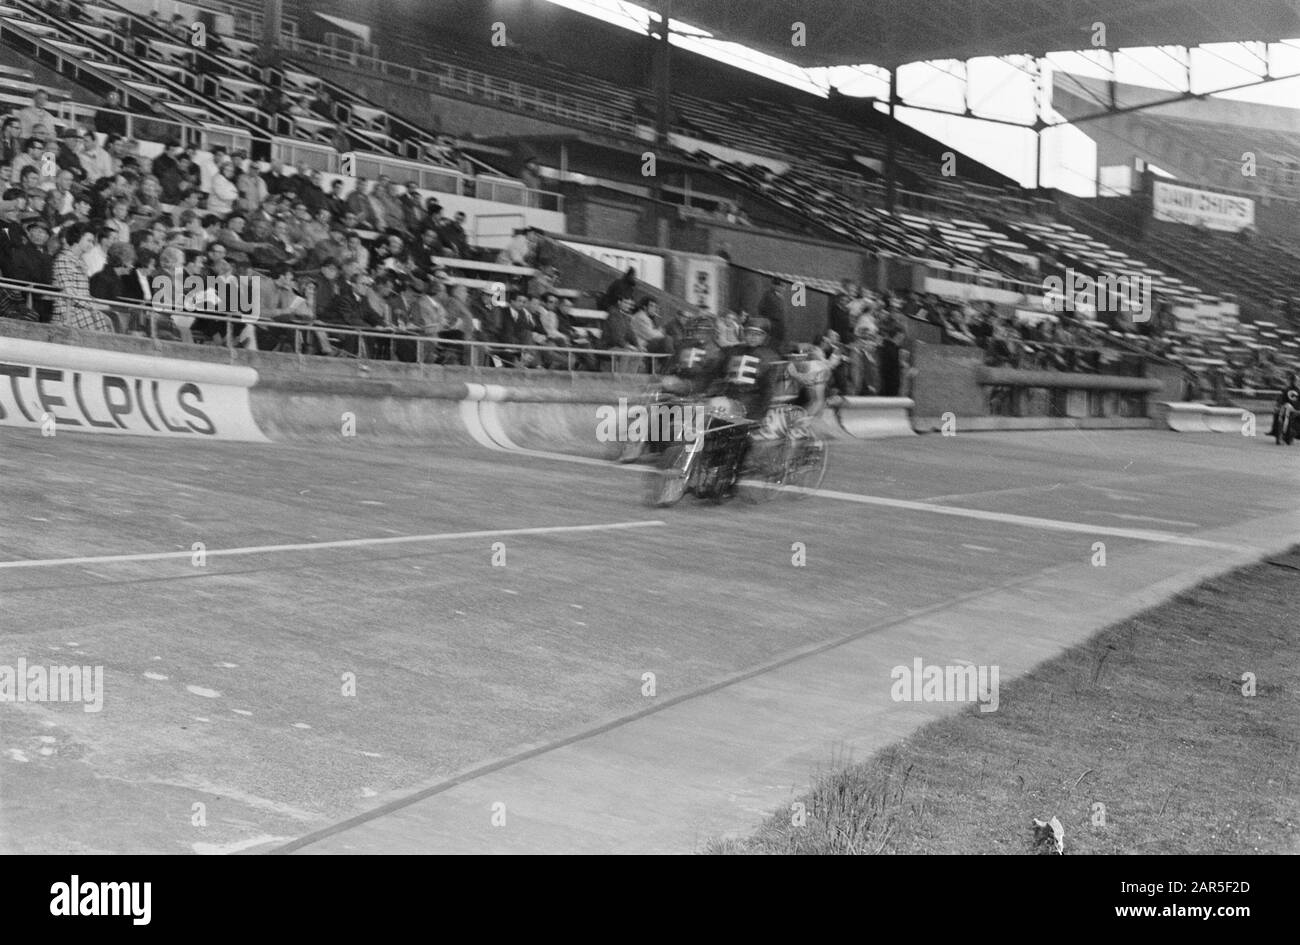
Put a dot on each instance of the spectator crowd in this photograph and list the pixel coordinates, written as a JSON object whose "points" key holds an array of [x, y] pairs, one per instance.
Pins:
{"points": [[85, 215]]}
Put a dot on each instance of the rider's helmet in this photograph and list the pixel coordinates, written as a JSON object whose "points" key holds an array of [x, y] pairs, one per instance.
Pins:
{"points": [[757, 325]]}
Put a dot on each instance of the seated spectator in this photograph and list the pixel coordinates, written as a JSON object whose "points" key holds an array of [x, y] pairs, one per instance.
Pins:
{"points": [[232, 237], [309, 230], [95, 161], [352, 308], [33, 152], [31, 259], [59, 200], [388, 210], [109, 282], [96, 257], [71, 307], [356, 251], [68, 157], [645, 328], [281, 248], [331, 249]]}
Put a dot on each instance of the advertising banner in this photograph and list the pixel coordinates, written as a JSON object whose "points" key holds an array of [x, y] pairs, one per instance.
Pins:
{"points": [[648, 267], [56, 388], [1176, 204]]}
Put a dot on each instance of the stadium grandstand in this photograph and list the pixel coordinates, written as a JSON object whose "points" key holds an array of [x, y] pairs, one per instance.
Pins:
{"points": [[432, 165], [471, 225]]}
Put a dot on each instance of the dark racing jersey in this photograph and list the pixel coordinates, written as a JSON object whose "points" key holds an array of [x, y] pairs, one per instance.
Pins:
{"points": [[747, 375], [697, 364]]}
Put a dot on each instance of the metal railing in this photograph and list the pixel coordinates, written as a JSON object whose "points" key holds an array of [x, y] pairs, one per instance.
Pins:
{"points": [[371, 344], [156, 129], [454, 78]]}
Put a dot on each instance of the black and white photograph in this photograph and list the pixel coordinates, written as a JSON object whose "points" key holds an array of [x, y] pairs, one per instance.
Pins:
{"points": [[706, 427]]}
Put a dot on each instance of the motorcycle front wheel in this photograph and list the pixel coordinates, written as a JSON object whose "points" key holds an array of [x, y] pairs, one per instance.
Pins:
{"points": [[668, 484]]}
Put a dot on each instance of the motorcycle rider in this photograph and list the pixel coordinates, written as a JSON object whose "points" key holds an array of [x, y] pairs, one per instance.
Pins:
{"points": [[750, 371], [694, 366], [1288, 402]]}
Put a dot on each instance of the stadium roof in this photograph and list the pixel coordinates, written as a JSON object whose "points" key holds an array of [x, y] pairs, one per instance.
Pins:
{"points": [[893, 32]]}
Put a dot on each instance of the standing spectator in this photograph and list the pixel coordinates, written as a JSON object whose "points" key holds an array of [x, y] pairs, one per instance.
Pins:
{"points": [[618, 324], [772, 307], [251, 187], [11, 140], [70, 278], [109, 120], [889, 362], [841, 318], [531, 174], [335, 202], [459, 324], [624, 287], [518, 250], [413, 214], [451, 233], [166, 167], [36, 115], [224, 191]]}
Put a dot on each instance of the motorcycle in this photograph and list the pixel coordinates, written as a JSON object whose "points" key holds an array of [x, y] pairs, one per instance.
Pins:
{"points": [[734, 455]]}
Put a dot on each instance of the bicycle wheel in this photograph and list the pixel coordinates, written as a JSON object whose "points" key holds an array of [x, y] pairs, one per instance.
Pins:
{"points": [[807, 464], [668, 484]]}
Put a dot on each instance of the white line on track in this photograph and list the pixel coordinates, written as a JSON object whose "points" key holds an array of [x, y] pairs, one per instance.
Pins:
{"points": [[1051, 524], [481, 419], [322, 545]]}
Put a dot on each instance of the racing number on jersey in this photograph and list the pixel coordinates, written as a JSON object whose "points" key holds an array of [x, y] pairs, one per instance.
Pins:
{"points": [[743, 369], [691, 357]]}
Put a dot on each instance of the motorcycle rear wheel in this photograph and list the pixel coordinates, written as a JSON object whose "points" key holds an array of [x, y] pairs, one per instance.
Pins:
{"points": [[806, 464]]}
